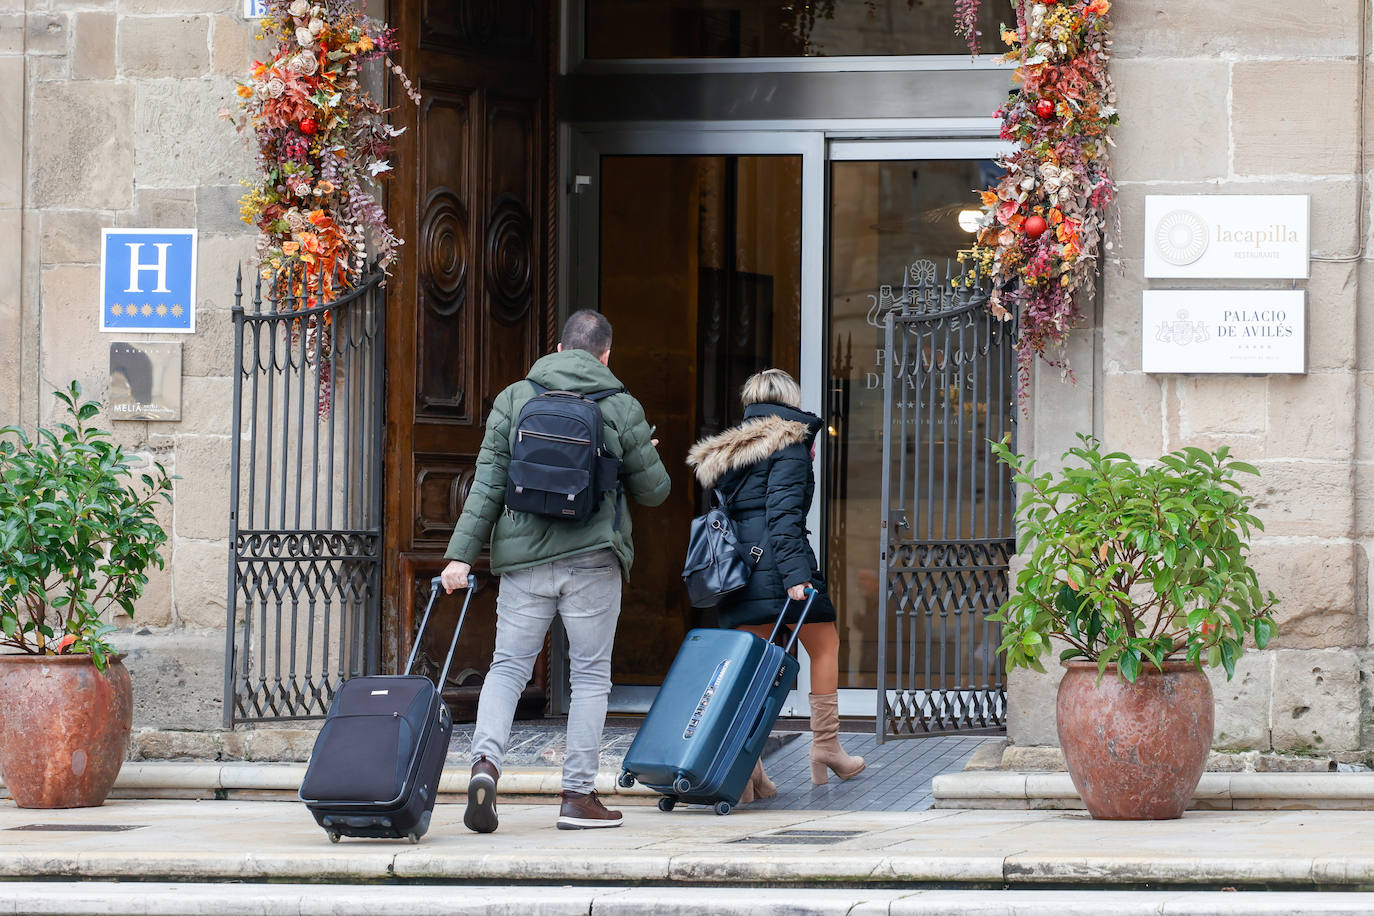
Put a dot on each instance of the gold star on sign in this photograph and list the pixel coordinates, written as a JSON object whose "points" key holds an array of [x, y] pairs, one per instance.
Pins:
{"points": [[177, 311], [117, 309], [147, 310], [161, 311]]}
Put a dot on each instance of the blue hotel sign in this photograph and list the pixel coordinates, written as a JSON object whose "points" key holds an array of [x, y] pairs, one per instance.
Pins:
{"points": [[148, 280]]}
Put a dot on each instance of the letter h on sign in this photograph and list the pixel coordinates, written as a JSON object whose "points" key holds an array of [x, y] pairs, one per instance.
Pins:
{"points": [[148, 280]]}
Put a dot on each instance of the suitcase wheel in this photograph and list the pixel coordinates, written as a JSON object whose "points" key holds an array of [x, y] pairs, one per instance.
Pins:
{"points": [[667, 803], [682, 785], [334, 836], [722, 807], [413, 837], [626, 779]]}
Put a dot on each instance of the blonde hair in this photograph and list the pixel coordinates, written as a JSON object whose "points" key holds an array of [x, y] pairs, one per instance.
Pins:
{"points": [[771, 386]]}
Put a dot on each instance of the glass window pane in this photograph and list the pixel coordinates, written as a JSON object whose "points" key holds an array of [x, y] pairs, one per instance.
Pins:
{"points": [[640, 29], [887, 219], [701, 279]]}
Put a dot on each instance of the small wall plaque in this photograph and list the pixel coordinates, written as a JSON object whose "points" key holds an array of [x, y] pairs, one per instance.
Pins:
{"points": [[145, 381], [1239, 236], [1242, 332], [148, 280]]}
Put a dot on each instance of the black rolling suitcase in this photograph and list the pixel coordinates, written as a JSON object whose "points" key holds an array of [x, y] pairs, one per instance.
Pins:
{"points": [[374, 771]]}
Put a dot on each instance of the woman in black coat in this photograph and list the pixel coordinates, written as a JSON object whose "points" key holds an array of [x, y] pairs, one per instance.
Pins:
{"points": [[763, 469]]}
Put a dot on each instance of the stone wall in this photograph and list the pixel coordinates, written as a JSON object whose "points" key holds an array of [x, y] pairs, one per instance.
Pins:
{"points": [[1251, 98], [108, 119]]}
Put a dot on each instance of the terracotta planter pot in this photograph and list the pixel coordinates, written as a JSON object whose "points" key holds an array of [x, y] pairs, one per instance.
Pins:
{"points": [[1135, 751], [64, 728]]}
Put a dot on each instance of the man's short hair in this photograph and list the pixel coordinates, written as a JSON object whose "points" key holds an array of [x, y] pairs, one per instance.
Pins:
{"points": [[587, 330]]}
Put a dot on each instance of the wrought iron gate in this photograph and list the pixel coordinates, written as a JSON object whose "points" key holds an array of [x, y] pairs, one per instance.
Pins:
{"points": [[305, 500], [949, 386]]}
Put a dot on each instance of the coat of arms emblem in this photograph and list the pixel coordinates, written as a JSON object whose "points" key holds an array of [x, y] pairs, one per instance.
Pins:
{"points": [[1182, 331]]}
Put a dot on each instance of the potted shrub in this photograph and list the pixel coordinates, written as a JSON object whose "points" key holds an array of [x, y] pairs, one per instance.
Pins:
{"points": [[77, 535], [1141, 573]]}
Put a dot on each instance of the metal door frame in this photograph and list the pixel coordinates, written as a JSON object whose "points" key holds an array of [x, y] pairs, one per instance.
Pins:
{"points": [[581, 266]]}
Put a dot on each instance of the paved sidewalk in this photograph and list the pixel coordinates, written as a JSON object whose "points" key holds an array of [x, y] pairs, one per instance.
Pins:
{"points": [[898, 775], [277, 841], [104, 899]]}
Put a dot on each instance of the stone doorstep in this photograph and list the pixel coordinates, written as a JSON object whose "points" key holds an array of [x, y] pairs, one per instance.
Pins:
{"points": [[190, 779], [1216, 791]]}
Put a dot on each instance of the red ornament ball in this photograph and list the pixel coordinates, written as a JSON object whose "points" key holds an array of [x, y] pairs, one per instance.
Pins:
{"points": [[308, 126], [1035, 226], [1045, 109]]}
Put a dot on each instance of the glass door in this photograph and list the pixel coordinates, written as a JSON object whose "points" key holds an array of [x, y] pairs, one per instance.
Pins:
{"points": [[695, 246], [899, 212]]}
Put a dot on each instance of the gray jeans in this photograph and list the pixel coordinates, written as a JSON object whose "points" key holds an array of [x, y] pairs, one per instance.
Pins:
{"points": [[585, 591]]}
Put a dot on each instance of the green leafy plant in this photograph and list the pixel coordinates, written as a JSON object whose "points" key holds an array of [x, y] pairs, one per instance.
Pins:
{"points": [[78, 534], [1132, 565]]}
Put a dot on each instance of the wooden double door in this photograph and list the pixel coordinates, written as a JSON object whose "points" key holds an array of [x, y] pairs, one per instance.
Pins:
{"points": [[470, 302], [696, 260]]}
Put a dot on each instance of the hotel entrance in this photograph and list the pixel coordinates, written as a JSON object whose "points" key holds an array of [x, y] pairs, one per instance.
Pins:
{"points": [[736, 185], [718, 253]]}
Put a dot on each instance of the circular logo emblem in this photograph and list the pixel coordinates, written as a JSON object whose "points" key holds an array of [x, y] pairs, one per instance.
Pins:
{"points": [[1181, 237]]}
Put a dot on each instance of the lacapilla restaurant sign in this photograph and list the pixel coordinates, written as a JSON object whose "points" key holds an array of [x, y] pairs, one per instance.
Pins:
{"points": [[1225, 236], [1232, 331]]}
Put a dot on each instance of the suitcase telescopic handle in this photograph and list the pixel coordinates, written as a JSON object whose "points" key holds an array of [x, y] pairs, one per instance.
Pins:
{"points": [[810, 599], [435, 585]]}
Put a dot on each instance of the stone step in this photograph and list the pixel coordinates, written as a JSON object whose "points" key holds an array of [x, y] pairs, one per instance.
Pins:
{"points": [[116, 899], [269, 842], [1216, 792], [208, 779]]}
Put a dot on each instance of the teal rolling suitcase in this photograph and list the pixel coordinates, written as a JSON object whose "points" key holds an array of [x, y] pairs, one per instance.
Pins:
{"points": [[706, 728]]}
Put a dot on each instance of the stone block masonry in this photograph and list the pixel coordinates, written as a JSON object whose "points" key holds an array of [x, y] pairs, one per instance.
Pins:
{"points": [[1265, 97], [108, 118]]}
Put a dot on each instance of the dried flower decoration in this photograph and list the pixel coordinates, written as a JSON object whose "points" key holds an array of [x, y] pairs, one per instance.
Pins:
{"points": [[1043, 226], [321, 140]]}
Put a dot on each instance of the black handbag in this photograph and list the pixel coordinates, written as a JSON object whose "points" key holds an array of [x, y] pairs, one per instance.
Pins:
{"points": [[717, 564]]}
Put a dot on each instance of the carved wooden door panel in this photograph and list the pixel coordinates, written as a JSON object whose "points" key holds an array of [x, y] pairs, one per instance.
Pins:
{"points": [[470, 304]]}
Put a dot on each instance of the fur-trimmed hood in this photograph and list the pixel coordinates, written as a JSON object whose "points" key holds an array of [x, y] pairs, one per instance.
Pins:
{"points": [[766, 430]]}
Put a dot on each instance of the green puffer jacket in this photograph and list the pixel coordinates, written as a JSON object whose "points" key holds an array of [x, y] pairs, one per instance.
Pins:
{"points": [[520, 539]]}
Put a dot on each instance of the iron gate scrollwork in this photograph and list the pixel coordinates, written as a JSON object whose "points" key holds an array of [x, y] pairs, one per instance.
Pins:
{"points": [[948, 534], [305, 498]]}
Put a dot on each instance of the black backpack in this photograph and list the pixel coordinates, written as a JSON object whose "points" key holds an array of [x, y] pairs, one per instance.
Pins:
{"points": [[558, 464]]}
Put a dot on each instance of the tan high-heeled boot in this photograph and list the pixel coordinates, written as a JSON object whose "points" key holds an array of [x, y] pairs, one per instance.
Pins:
{"points": [[763, 786], [758, 786], [825, 742]]}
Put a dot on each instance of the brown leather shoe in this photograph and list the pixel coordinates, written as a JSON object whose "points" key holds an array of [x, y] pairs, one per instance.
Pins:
{"points": [[585, 812], [481, 813]]}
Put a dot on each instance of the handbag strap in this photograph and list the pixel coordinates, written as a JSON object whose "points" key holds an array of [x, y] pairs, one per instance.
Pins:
{"points": [[755, 553], [723, 501]]}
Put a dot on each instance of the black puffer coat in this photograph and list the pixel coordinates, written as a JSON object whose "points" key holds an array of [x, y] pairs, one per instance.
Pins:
{"points": [[767, 458]]}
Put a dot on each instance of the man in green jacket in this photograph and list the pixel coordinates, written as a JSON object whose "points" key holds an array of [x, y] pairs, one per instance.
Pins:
{"points": [[553, 566]]}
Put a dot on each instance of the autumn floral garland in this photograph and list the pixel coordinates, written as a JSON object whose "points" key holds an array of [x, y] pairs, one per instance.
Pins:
{"points": [[1042, 231], [322, 141]]}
